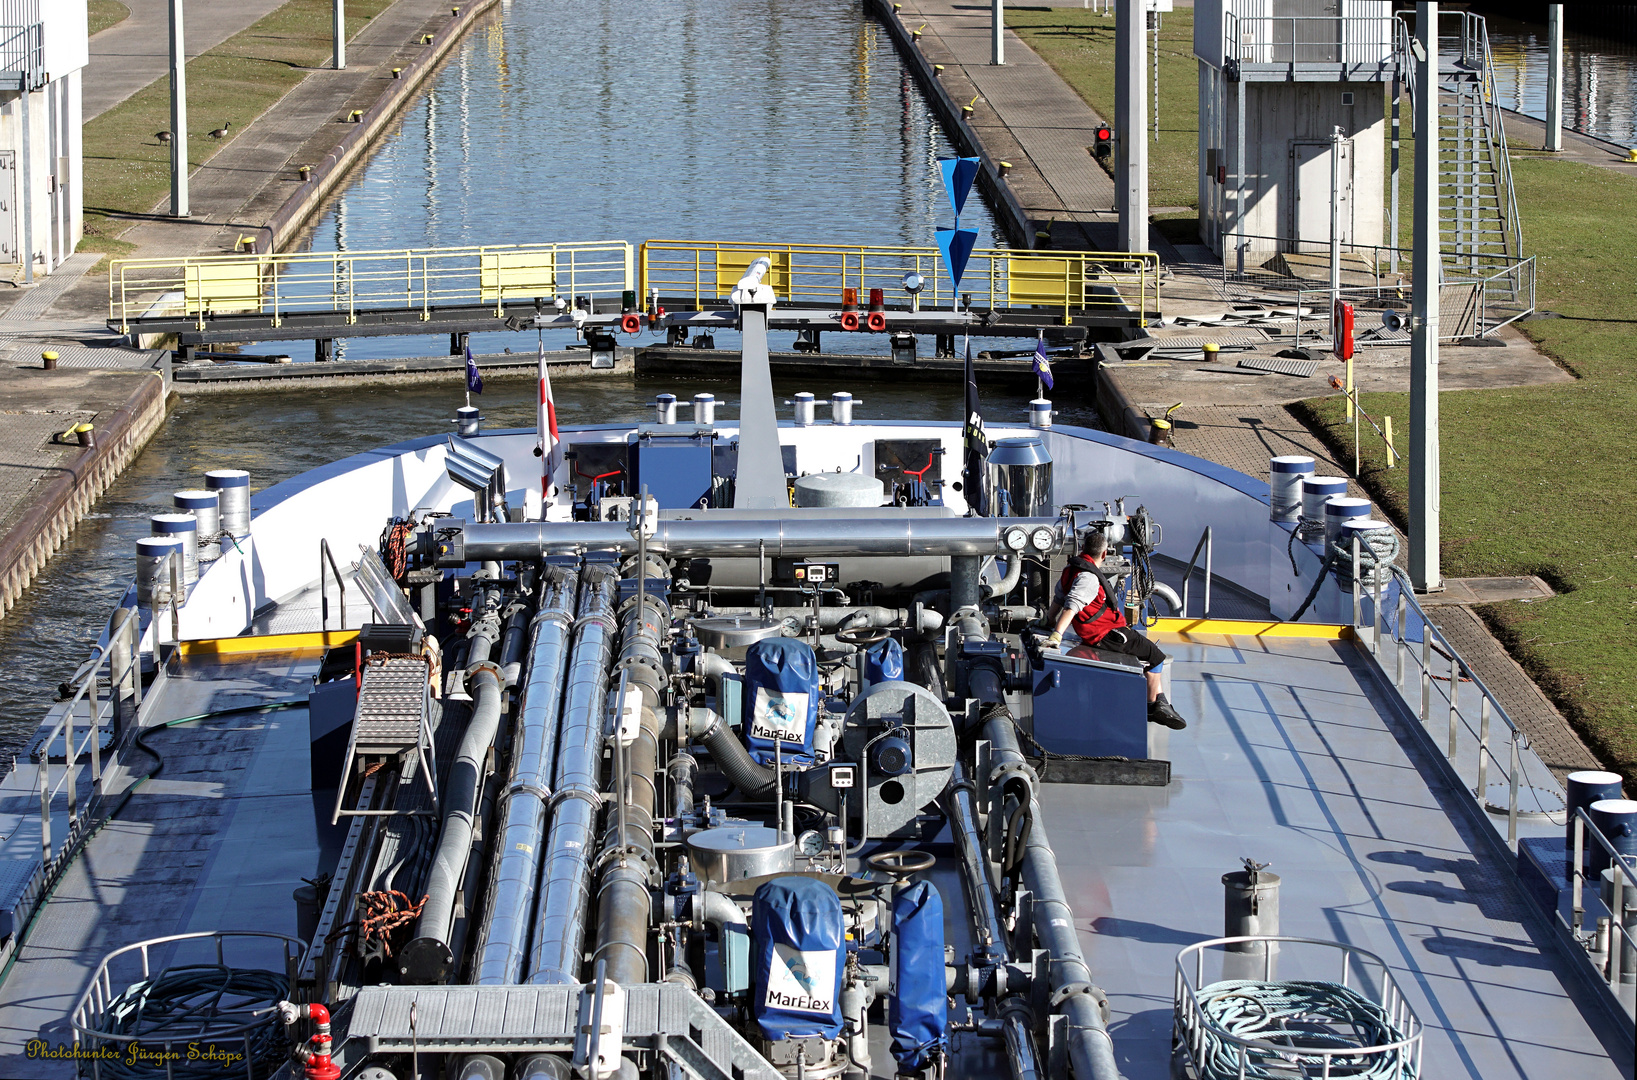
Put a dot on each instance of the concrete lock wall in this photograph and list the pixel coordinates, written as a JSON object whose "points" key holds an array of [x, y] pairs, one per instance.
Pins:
{"points": [[1287, 135]]}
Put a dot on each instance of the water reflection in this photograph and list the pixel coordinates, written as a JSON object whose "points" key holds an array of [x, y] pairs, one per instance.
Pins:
{"points": [[1599, 79], [784, 121]]}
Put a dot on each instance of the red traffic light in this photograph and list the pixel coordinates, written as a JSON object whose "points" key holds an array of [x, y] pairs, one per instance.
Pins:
{"points": [[1105, 135]]}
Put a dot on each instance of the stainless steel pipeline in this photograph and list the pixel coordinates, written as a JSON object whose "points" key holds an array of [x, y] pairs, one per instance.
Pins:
{"points": [[503, 942], [623, 897], [835, 617], [791, 535], [1091, 1049], [565, 885]]}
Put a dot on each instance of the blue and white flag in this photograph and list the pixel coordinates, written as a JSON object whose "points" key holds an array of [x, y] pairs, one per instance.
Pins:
{"points": [[474, 381], [1042, 364]]}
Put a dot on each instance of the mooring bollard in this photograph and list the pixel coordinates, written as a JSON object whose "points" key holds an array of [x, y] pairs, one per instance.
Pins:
{"points": [[48, 360]]}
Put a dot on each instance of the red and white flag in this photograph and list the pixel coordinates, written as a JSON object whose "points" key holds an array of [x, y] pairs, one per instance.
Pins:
{"points": [[550, 443]]}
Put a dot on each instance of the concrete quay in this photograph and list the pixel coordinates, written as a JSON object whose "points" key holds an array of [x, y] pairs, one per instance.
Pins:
{"points": [[250, 188]]}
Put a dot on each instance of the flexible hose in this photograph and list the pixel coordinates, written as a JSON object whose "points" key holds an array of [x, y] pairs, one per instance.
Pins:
{"points": [[178, 1005], [753, 781], [1295, 1016]]}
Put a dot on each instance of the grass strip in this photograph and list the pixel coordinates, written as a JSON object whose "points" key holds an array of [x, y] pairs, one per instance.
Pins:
{"points": [[1079, 46], [101, 14], [1537, 480], [127, 170]]}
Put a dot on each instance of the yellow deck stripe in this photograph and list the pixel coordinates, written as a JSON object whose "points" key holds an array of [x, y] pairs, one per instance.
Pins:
{"points": [[1254, 628], [265, 643]]}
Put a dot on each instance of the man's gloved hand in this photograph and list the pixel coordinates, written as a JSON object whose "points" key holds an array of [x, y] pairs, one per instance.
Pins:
{"points": [[1053, 641]]}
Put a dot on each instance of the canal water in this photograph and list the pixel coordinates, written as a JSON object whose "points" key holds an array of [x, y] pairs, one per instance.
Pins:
{"points": [[1599, 78], [789, 119]]}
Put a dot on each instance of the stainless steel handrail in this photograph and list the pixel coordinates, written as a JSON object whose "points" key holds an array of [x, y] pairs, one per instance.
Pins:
{"points": [[1613, 938], [324, 556], [1188, 574]]}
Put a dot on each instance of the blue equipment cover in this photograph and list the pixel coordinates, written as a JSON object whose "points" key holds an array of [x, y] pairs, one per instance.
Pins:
{"points": [[799, 944], [918, 1013], [781, 698], [884, 661]]}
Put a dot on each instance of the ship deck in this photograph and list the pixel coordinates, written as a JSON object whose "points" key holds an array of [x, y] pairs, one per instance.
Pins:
{"points": [[1296, 755]]}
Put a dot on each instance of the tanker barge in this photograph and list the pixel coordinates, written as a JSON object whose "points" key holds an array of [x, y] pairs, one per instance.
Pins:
{"points": [[707, 749]]}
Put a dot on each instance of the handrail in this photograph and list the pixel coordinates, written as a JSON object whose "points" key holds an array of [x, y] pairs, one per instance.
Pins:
{"points": [[279, 284], [1489, 706], [1188, 574], [1612, 928], [1064, 283], [323, 591]]}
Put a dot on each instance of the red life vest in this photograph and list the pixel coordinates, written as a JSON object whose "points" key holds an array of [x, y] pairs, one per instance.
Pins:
{"points": [[1100, 616]]}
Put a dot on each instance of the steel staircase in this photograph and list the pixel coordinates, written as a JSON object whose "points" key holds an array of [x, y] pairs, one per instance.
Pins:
{"points": [[1480, 232]]}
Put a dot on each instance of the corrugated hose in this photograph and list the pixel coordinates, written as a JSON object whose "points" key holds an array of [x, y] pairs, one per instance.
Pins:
{"points": [[1295, 1016]]}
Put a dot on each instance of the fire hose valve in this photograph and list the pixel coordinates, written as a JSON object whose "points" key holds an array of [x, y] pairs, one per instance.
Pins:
{"points": [[314, 1055]]}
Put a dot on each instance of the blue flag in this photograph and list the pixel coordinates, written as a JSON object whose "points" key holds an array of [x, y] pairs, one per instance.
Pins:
{"points": [[1042, 363], [474, 381]]}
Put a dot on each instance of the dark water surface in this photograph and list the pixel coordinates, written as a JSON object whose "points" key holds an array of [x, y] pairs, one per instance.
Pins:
{"points": [[789, 120]]}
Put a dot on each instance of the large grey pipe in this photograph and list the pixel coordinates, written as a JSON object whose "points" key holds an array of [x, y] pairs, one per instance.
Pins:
{"points": [[1091, 1049], [792, 535], [623, 899], [428, 958], [503, 942], [565, 884]]}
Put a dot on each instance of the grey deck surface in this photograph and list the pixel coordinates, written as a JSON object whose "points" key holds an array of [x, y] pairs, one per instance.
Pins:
{"points": [[1298, 768], [218, 841]]}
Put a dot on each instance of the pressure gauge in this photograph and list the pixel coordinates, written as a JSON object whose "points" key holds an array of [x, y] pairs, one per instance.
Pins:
{"points": [[1017, 539], [811, 843], [1042, 538]]}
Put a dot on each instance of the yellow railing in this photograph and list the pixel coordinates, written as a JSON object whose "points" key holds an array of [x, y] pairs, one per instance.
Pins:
{"points": [[350, 281], [1063, 283]]}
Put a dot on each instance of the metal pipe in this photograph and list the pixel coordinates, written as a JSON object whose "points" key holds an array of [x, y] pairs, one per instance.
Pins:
{"points": [[1091, 1050], [428, 958], [1001, 589], [707, 537], [838, 617], [565, 887], [503, 940], [681, 770]]}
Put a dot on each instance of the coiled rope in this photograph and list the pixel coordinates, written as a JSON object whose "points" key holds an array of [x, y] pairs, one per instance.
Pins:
{"points": [[1378, 547], [184, 1005], [1297, 1016]]}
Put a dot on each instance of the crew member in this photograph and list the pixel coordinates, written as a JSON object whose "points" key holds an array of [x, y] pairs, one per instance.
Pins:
{"points": [[1086, 599]]}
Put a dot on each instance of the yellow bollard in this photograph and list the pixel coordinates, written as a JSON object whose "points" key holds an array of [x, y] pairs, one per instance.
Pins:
{"points": [[1387, 424]]}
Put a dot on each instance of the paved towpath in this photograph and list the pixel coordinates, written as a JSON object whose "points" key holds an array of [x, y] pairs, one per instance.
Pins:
{"points": [[131, 54]]}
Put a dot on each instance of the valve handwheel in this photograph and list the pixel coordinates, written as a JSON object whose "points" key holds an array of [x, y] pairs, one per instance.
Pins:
{"points": [[863, 636], [902, 863]]}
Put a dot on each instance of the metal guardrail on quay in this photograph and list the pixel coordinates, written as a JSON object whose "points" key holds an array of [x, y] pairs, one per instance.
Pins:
{"points": [[347, 282], [1069, 285]]}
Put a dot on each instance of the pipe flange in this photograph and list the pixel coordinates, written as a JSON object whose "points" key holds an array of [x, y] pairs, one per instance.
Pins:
{"points": [[1018, 1007], [630, 853], [482, 666], [593, 797], [1068, 990], [1003, 772]]}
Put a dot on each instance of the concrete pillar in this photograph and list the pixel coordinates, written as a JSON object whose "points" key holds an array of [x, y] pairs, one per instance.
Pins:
{"points": [[1130, 124], [179, 115], [1424, 494], [340, 31], [1554, 77], [997, 32]]}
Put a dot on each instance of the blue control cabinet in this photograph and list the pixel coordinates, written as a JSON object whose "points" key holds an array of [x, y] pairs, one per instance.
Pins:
{"points": [[1093, 703], [675, 468]]}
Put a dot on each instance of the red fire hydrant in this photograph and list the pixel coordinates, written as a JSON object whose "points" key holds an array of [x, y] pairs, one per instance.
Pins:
{"points": [[314, 1056]]}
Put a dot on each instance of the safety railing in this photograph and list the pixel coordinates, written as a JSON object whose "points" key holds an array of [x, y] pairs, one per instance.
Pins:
{"points": [[22, 45], [224, 1022], [1398, 621], [1355, 41], [1612, 945], [122, 654], [1205, 544], [348, 282], [1063, 283], [326, 566]]}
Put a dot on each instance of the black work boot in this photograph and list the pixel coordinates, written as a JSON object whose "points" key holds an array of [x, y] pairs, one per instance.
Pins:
{"points": [[1160, 711]]}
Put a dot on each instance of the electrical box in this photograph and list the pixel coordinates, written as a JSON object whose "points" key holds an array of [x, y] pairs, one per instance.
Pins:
{"points": [[802, 572], [676, 469], [1091, 702]]}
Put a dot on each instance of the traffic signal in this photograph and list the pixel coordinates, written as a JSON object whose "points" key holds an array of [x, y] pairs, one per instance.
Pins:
{"points": [[1105, 140]]}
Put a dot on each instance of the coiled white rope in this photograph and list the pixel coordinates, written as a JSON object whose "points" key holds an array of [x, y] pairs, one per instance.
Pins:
{"points": [[1302, 1019]]}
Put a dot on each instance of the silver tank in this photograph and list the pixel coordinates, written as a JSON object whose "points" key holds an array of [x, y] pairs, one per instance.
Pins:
{"points": [[734, 852], [1020, 478]]}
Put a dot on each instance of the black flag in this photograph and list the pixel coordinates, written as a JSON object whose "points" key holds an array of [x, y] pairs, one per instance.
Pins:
{"points": [[974, 462]]}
